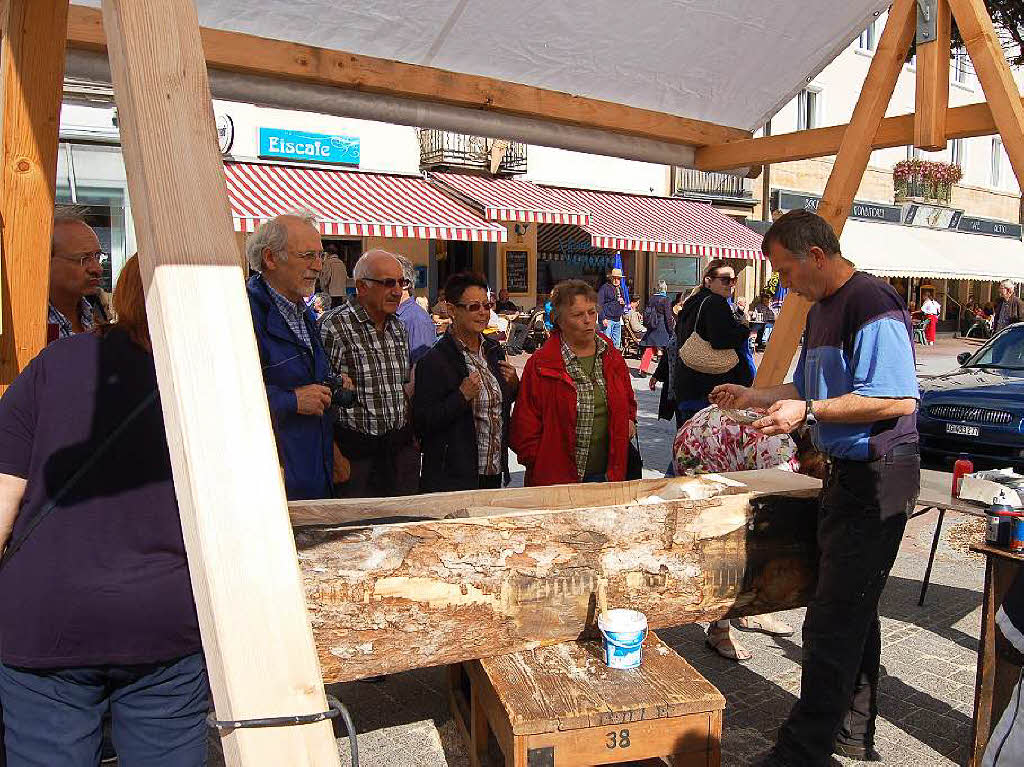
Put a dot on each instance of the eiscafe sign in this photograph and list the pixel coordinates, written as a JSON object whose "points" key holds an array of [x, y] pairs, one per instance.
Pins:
{"points": [[277, 144]]}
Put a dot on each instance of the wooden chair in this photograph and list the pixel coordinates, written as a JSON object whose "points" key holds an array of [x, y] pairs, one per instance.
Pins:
{"points": [[560, 706]]}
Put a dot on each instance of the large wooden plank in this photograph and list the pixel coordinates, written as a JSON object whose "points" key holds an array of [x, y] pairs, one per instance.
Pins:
{"points": [[477, 503], [846, 175], [387, 598], [236, 52], [256, 634], [31, 76], [994, 74], [932, 95]]}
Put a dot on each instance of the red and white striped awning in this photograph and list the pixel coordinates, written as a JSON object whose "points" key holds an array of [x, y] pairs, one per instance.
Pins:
{"points": [[352, 203], [509, 199], [661, 225]]}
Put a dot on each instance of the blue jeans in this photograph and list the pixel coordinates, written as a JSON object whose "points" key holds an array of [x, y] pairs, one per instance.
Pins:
{"points": [[614, 332], [158, 710]]}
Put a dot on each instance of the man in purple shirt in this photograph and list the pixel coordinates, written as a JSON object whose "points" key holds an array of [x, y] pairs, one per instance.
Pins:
{"points": [[418, 324]]}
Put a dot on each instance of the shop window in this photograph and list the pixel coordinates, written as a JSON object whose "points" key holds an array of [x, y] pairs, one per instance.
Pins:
{"points": [[961, 67], [680, 272], [997, 160], [956, 152], [868, 39], [807, 104]]}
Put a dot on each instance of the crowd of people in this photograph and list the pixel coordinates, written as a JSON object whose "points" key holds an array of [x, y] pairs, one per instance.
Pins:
{"points": [[367, 399]]}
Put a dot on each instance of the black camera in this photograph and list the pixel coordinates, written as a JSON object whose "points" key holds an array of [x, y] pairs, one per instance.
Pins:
{"points": [[341, 397]]}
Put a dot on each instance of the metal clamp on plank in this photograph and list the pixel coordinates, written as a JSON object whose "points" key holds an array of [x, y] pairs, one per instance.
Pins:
{"points": [[337, 708]]}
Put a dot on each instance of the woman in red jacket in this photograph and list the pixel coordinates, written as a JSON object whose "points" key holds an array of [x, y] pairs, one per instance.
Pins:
{"points": [[575, 413]]}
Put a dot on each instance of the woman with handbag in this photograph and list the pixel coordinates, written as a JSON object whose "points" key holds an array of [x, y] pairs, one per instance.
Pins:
{"points": [[712, 347], [576, 413]]}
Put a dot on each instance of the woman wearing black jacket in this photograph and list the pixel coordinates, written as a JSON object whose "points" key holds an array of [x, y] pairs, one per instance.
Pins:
{"points": [[463, 395], [686, 390]]}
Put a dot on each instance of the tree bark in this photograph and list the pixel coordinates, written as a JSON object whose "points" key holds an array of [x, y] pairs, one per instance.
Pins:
{"points": [[388, 598]]}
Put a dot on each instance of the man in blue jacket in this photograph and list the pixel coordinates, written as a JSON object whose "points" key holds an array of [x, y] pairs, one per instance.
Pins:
{"points": [[286, 256], [611, 305]]}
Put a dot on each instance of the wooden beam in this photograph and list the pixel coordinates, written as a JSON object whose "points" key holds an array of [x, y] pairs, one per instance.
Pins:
{"points": [[961, 122], [31, 78], [932, 96], [295, 62], [256, 633], [847, 172], [393, 597], [996, 79]]}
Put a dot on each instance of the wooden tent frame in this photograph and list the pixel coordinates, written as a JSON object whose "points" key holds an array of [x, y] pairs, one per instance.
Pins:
{"points": [[256, 632]]}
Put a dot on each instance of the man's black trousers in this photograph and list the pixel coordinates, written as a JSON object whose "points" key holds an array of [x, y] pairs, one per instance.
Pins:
{"points": [[863, 513]]}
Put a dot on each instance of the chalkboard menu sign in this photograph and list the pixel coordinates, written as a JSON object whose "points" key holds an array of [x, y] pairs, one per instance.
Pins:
{"points": [[517, 272]]}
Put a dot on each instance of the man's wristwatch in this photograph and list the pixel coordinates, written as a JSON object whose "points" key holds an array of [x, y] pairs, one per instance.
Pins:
{"points": [[809, 418]]}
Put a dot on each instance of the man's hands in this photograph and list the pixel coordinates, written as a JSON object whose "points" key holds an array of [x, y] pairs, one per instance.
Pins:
{"points": [[470, 386], [783, 417], [313, 399], [735, 397]]}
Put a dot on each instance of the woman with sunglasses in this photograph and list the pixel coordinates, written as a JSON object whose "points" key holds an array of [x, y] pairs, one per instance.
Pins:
{"points": [[576, 411], [463, 395], [707, 312]]}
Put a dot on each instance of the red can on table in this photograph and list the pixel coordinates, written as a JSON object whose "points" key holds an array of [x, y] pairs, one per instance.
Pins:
{"points": [[962, 466]]}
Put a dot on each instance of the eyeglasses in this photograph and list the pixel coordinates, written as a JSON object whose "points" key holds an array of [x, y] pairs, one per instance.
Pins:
{"points": [[725, 279], [477, 305], [98, 257], [312, 255], [389, 282]]}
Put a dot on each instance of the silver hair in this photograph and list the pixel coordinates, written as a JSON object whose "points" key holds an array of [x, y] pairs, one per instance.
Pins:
{"points": [[272, 235], [361, 270], [662, 286], [408, 270], [1008, 284], [66, 214]]}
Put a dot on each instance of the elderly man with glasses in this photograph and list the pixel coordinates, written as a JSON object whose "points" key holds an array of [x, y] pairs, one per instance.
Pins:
{"points": [[286, 256], [76, 272], [366, 341]]}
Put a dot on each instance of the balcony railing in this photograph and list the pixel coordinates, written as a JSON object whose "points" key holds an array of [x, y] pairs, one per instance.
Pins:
{"points": [[443, 149], [714, 185]]}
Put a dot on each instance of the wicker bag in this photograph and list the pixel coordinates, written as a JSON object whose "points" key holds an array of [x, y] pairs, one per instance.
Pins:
{"points": [[697, 354]]}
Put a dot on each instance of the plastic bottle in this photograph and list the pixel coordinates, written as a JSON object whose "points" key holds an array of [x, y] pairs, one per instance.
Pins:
{"points": [[962, 466]]}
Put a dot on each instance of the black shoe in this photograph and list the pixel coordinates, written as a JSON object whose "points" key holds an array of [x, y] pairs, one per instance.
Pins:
{"points": [[857, 751]]}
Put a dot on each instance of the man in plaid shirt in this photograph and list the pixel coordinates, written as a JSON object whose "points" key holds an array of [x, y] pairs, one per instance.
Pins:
{"points": [[365, 340]]}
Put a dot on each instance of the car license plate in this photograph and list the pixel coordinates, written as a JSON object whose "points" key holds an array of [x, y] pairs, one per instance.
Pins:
{"points": [[962, 430]]}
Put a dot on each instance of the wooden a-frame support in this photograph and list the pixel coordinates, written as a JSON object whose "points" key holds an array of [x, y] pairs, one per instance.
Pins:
{"points": [[1000, 90], [256, 632]]}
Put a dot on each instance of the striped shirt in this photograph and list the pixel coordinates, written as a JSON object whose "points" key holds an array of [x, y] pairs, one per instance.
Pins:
{"points": [[486, 411], [378, 364], [64, 327], [585, 386], [293, 313]]}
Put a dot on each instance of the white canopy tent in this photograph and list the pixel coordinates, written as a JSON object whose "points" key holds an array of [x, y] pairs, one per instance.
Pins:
{"points": [[726, 63]]}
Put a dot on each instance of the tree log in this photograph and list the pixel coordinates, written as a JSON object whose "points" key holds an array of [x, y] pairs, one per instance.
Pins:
{"points": [[387, 598]]}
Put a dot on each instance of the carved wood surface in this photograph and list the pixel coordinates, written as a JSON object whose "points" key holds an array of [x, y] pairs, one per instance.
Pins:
{"points": [[387, 598]]}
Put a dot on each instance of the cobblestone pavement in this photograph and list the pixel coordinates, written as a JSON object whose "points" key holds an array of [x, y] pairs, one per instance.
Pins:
{"points": [[928, 657]]}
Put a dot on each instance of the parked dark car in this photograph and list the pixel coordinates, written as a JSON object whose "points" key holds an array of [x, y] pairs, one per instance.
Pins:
{"points": [[977, 409]]}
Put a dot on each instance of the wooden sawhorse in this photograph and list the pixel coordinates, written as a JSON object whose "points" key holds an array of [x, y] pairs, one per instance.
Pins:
{"points": [[560, 706]]}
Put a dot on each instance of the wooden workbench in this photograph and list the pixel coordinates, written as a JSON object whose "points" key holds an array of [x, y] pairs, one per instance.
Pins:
{"points": [[999, 663]]}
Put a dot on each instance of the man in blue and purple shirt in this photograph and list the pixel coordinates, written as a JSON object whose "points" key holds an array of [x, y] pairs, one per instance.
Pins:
{"points": [[855, 389]]}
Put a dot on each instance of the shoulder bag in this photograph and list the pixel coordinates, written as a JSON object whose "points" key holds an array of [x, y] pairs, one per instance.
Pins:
{"points": [[697, 354]]}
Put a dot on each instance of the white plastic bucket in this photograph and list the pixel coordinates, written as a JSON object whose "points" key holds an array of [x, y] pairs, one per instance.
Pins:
{"points": [[624, 632]]}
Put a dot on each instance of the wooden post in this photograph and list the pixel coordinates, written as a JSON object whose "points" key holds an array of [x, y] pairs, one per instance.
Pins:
{"points": [[847, 172], [242, 559], [995, 77], [32, 66], [932, 97]]}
